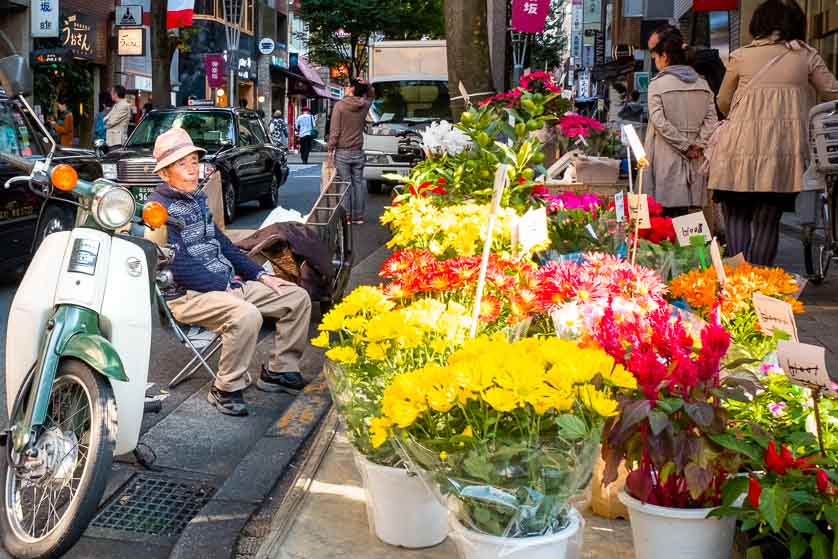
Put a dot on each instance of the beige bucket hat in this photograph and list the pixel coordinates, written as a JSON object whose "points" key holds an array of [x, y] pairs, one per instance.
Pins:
{"points": [[173, 145]]}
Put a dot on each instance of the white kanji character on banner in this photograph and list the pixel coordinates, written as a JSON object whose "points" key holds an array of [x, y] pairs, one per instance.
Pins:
{"points": [[531, 8]]}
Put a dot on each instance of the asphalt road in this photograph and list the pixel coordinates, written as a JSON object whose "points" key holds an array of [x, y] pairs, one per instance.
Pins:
{"points": [[299, 193]]}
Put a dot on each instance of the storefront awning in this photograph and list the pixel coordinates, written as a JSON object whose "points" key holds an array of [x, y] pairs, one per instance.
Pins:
{"points": [[307, 70]]}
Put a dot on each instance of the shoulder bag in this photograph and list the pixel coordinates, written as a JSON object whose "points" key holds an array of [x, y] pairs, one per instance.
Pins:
{"points": [[715, 138]]}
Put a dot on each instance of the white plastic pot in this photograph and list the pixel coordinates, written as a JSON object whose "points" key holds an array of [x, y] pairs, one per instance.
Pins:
{"points": [[400, 508], [566, 544], [672, 533]]}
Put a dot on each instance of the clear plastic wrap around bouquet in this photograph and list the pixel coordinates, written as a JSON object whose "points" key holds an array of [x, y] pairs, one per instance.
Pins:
{"points": [[506, 432]]}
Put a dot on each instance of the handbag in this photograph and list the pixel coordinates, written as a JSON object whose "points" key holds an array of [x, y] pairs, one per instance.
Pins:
{"points": [[715, 138], [314, 133]]}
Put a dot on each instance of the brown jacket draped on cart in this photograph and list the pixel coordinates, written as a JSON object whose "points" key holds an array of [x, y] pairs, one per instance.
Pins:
{"points": [[681, 113]]}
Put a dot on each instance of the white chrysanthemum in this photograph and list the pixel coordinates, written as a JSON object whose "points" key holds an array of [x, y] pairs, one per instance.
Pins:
{"points": [[442, 138]]}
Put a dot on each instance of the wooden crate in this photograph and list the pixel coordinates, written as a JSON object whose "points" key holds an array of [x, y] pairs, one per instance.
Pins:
{"points": [[603, 190]]}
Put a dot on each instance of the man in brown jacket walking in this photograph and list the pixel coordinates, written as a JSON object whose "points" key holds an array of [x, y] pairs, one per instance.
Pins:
{"points": [[346, 144]]}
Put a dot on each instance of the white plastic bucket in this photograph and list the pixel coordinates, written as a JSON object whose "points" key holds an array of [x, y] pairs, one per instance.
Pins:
{"points": [[400, 508], [672, 533], [566, 544]]}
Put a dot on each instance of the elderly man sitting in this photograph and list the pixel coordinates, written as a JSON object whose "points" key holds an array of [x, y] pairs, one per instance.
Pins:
{"points": [[218, 287]]}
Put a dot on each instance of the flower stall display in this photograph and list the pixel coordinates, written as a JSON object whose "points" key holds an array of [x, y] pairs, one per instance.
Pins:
{"points": [[371, 339], [457, 230], [578, 223], [791, 509], [507, 432], [699, 289], [665, 433]]}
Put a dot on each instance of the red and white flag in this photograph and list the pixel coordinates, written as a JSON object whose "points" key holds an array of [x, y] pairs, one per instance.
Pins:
{"points": [[179, 13]]}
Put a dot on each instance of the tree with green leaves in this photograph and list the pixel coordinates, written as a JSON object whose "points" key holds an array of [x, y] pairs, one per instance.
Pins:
{"points": [[548, 47], [340, 31]]}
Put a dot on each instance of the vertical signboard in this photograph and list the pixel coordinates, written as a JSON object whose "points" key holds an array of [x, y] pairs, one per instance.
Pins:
{"points": [[529, 16], [214, 67], [576, 30], [45, 18]]}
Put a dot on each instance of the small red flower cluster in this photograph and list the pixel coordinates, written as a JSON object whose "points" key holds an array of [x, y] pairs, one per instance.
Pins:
{"points": [[782, 461], [429, 187], [574, 125], [509, 290], [508, 99], [537, 82]]}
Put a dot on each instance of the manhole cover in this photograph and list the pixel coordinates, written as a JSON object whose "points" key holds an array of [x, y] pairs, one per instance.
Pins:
{"points": [[155, 506]]}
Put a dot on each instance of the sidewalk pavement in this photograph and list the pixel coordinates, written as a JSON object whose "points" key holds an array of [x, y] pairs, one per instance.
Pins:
{"points": [[329, 521]]}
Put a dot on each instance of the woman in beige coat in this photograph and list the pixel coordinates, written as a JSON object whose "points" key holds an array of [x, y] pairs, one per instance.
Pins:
{"points": [[757, 167], [682, 116]]}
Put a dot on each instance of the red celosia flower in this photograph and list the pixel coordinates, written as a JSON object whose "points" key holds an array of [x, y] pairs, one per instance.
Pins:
{"points": [[777, 462], [754, 491], [822, 480]]}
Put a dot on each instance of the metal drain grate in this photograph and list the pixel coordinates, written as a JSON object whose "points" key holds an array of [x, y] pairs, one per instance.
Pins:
{"points": [[155, 506]]}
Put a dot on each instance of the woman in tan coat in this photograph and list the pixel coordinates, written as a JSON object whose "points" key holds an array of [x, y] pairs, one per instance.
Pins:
{"points": [[682, 116], [757, 166]]}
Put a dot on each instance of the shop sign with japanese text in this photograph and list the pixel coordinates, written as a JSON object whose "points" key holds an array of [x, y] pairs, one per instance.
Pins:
{"points": [[78, 33], [214, 66], [529, 16], [44, 18]]}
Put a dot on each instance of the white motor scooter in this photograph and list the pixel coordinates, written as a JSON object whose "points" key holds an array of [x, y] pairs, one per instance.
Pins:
{"points": [[77, 354]]}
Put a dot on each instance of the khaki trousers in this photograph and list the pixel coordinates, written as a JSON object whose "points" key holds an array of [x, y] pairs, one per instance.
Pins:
{"points": [[237, 316]]}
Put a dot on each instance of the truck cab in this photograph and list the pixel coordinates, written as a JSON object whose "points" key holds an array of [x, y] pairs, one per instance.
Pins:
{"points": [[411, 91]]}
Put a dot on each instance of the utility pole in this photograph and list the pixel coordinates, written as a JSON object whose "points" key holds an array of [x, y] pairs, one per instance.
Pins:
{"points": [[161, 55], [233, 12]]}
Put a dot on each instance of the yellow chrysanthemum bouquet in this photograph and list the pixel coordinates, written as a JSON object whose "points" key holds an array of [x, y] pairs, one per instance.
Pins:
{"points": [[370, 340], [507, 431]]}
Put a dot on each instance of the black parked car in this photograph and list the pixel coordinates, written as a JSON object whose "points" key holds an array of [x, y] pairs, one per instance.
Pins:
{"points": [[252, 168], [21, 230]]}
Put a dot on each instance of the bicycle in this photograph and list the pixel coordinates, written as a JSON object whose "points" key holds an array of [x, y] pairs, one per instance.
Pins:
{"points": [[820, 235]]}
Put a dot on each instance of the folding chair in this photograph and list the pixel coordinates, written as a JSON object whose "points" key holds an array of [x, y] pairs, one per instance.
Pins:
{"points": [[201, 342]]}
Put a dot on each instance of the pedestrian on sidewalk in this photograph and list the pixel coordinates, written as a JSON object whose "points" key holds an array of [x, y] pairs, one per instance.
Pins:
{"points": [[346, 144], [117, 120], [757, 166], [682, 116], [278, 129], [305, 127], [63, 124], [219, 288]]}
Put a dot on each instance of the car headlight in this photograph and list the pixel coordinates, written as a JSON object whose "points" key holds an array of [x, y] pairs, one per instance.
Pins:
{"points": [[377, 158], [112, 207], [109, 171], [205, 170]]}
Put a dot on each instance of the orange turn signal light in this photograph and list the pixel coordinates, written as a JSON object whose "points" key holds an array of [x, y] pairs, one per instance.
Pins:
{"points": [[155, 215], [64, 177]]}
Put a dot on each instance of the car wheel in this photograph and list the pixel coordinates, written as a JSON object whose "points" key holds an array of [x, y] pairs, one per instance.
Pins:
{"points": [[53, 220], [270, 200], [231, 203]]}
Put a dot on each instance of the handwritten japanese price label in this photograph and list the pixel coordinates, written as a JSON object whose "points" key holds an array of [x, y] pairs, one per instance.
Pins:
{"points": [[688, 226], [639, 210], [804, 364], [620, 206], [716, 256], [532, 229], [775, 314]]}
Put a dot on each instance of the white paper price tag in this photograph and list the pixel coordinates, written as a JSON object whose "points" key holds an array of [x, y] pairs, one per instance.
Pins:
{"points": [[464, 93], [688, 226], [532, 229], [804, 364], [620, 206], [639, 210], [635, 144], [716, 256], [775, 314], [801, 285]]}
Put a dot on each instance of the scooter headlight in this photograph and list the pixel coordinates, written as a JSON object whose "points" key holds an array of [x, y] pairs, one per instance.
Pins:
{"points": [[113, 207]]}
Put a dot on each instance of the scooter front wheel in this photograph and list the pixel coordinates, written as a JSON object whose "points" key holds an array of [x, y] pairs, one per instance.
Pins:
{"points": [[52, 495]]}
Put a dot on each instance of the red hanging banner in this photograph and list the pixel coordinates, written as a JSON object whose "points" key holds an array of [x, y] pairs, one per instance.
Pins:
{"points": [[715, 5], [529, 16], [214, 68]]}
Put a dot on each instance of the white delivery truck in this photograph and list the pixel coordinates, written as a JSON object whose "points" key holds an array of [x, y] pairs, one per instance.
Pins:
{"points": [[411, 91]]}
